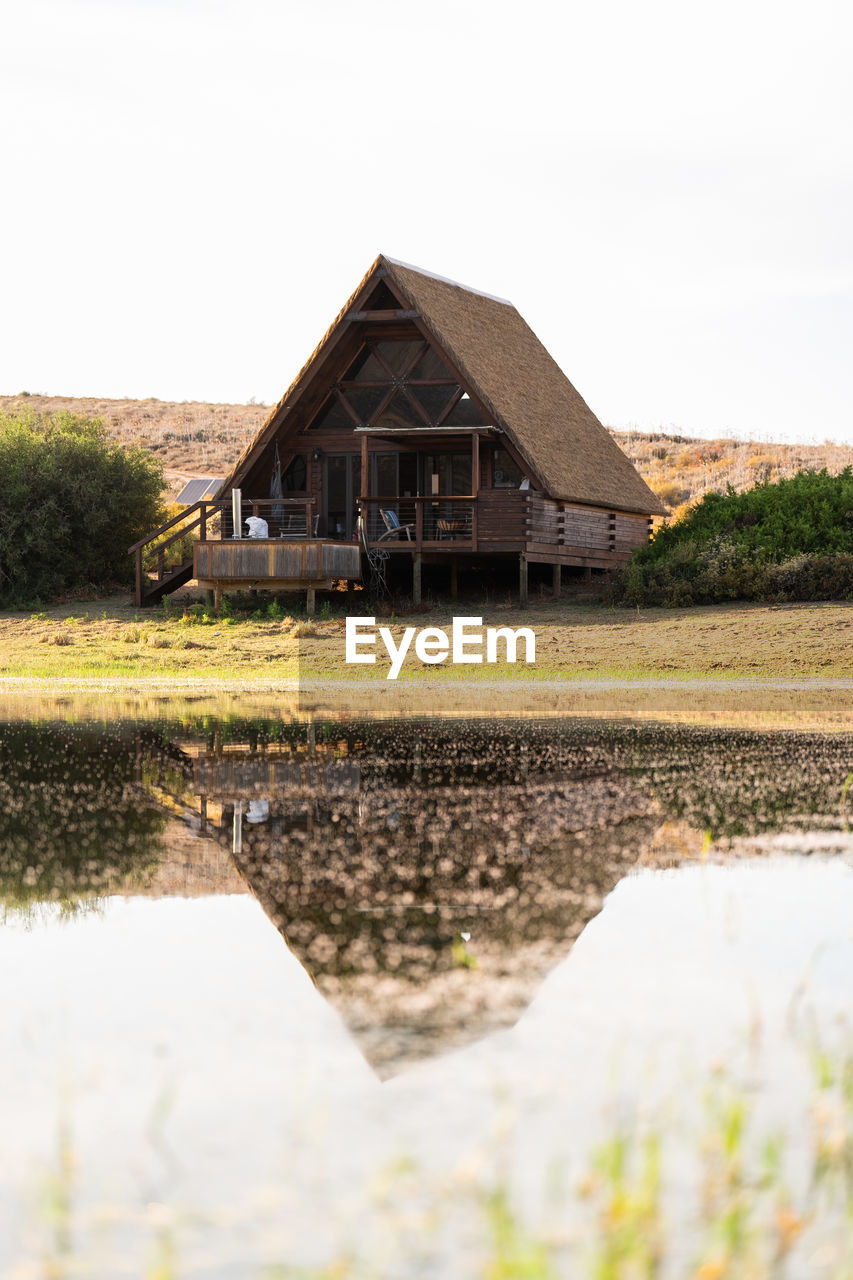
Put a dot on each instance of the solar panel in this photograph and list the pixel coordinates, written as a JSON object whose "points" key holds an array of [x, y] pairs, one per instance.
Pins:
{"points": [[199, 487]]}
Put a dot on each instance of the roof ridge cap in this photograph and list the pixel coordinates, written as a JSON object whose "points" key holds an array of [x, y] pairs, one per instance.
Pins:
{"points": [[433, 275]]}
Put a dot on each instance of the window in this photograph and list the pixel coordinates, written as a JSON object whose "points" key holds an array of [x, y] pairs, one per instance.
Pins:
{"points": [[295, 477], [398, 384], [507, 473]]}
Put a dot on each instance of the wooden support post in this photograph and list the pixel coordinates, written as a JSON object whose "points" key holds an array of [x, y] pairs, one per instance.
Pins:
{"points": [[310, 601], [522, 581], [416, 578], [556, 577], [365, 468], [217, 599], [211, 599], [454, 580]]}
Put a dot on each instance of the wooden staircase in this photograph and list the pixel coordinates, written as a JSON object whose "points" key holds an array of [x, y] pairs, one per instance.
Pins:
{"points": [[169, 575]]}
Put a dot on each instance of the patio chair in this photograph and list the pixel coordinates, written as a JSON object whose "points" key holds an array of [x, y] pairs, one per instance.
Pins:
{"points": [[393, 528]]}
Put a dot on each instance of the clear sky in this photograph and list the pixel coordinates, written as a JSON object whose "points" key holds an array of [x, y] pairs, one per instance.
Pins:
{"points": [[664, 189]]}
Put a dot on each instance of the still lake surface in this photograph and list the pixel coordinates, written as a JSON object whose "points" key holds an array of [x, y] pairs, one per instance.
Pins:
{"points": [[283, 991]]}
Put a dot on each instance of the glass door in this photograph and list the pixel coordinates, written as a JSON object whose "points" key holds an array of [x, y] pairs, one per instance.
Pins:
{"points": [[446, 474], [341, 487]]}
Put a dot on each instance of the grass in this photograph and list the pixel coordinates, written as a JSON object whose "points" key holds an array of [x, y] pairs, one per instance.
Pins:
{"points": [[263, 645]]}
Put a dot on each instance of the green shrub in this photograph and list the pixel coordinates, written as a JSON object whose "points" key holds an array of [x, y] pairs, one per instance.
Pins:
{"points": [[792, 540], [71, 503], [810, 513]]}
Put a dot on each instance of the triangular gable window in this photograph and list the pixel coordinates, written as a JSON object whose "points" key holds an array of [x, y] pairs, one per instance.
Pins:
{"points": [[332, 416], [366, 401], [400, 414], [398, 385], [434, 400], [464, 414], [366, 368], [432, 367], [399, 356], [382, 299]]}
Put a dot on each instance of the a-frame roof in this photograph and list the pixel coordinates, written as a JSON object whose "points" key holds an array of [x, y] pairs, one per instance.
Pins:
{"points": [[512, 375]]}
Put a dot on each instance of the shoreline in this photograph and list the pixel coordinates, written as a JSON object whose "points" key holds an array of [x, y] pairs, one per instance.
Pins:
{"points": [[39, 685], [816, 705]]}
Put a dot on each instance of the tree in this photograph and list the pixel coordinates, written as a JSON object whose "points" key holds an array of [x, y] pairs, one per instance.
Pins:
{"points": [[71, 502]]}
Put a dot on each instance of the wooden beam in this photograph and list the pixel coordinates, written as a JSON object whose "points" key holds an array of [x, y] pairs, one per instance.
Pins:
{"points": [[365, 473], [347, 406], [415, 361], [448, 408], [419, 410], [522, 581], [381, 317], [416, 578]]}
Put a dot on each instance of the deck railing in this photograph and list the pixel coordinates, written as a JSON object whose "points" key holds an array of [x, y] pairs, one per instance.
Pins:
{"points": [[495, 520], [166, 554], [406, 523]]}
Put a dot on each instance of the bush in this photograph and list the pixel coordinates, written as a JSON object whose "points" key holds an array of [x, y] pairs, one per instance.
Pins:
{"points": [[812, 578], [788, 541], [71, 503]]}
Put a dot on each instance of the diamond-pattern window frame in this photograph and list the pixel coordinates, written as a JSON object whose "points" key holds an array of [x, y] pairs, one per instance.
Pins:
{"points": [[404, 383]]}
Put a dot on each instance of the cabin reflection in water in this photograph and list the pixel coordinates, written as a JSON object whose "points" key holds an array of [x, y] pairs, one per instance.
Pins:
{"points": [[427, 883]]}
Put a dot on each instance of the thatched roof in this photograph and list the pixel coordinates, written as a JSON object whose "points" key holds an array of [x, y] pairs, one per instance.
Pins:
{"points": [[510, 372]]}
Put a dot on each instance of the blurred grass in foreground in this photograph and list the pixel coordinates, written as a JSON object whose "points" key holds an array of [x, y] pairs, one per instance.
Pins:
{"points": [[748, 1205]]}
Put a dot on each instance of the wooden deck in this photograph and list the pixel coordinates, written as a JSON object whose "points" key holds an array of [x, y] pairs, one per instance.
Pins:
{"points": [[309, 564], [198, 543]]}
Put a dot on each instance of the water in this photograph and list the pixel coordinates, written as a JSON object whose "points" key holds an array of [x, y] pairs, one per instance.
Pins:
{"points": [[277, 991]]}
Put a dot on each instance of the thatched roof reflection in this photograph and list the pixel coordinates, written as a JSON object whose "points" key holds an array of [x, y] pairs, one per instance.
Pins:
{"points": [[428, 902]]}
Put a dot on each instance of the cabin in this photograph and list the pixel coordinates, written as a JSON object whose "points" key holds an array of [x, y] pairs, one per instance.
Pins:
{"points": [[430, 427]]}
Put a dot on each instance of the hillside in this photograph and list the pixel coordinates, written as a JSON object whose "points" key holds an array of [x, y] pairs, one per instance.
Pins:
{"points": [[190, 438], [681, 469], [194, 438]]}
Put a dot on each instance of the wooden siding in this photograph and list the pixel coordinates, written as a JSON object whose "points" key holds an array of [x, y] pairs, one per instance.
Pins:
{"points": [[501, 519], [261, 559], [229, 778]]}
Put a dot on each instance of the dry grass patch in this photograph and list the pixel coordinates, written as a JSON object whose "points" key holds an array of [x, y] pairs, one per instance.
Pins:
{"points": [[111, 638]]}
